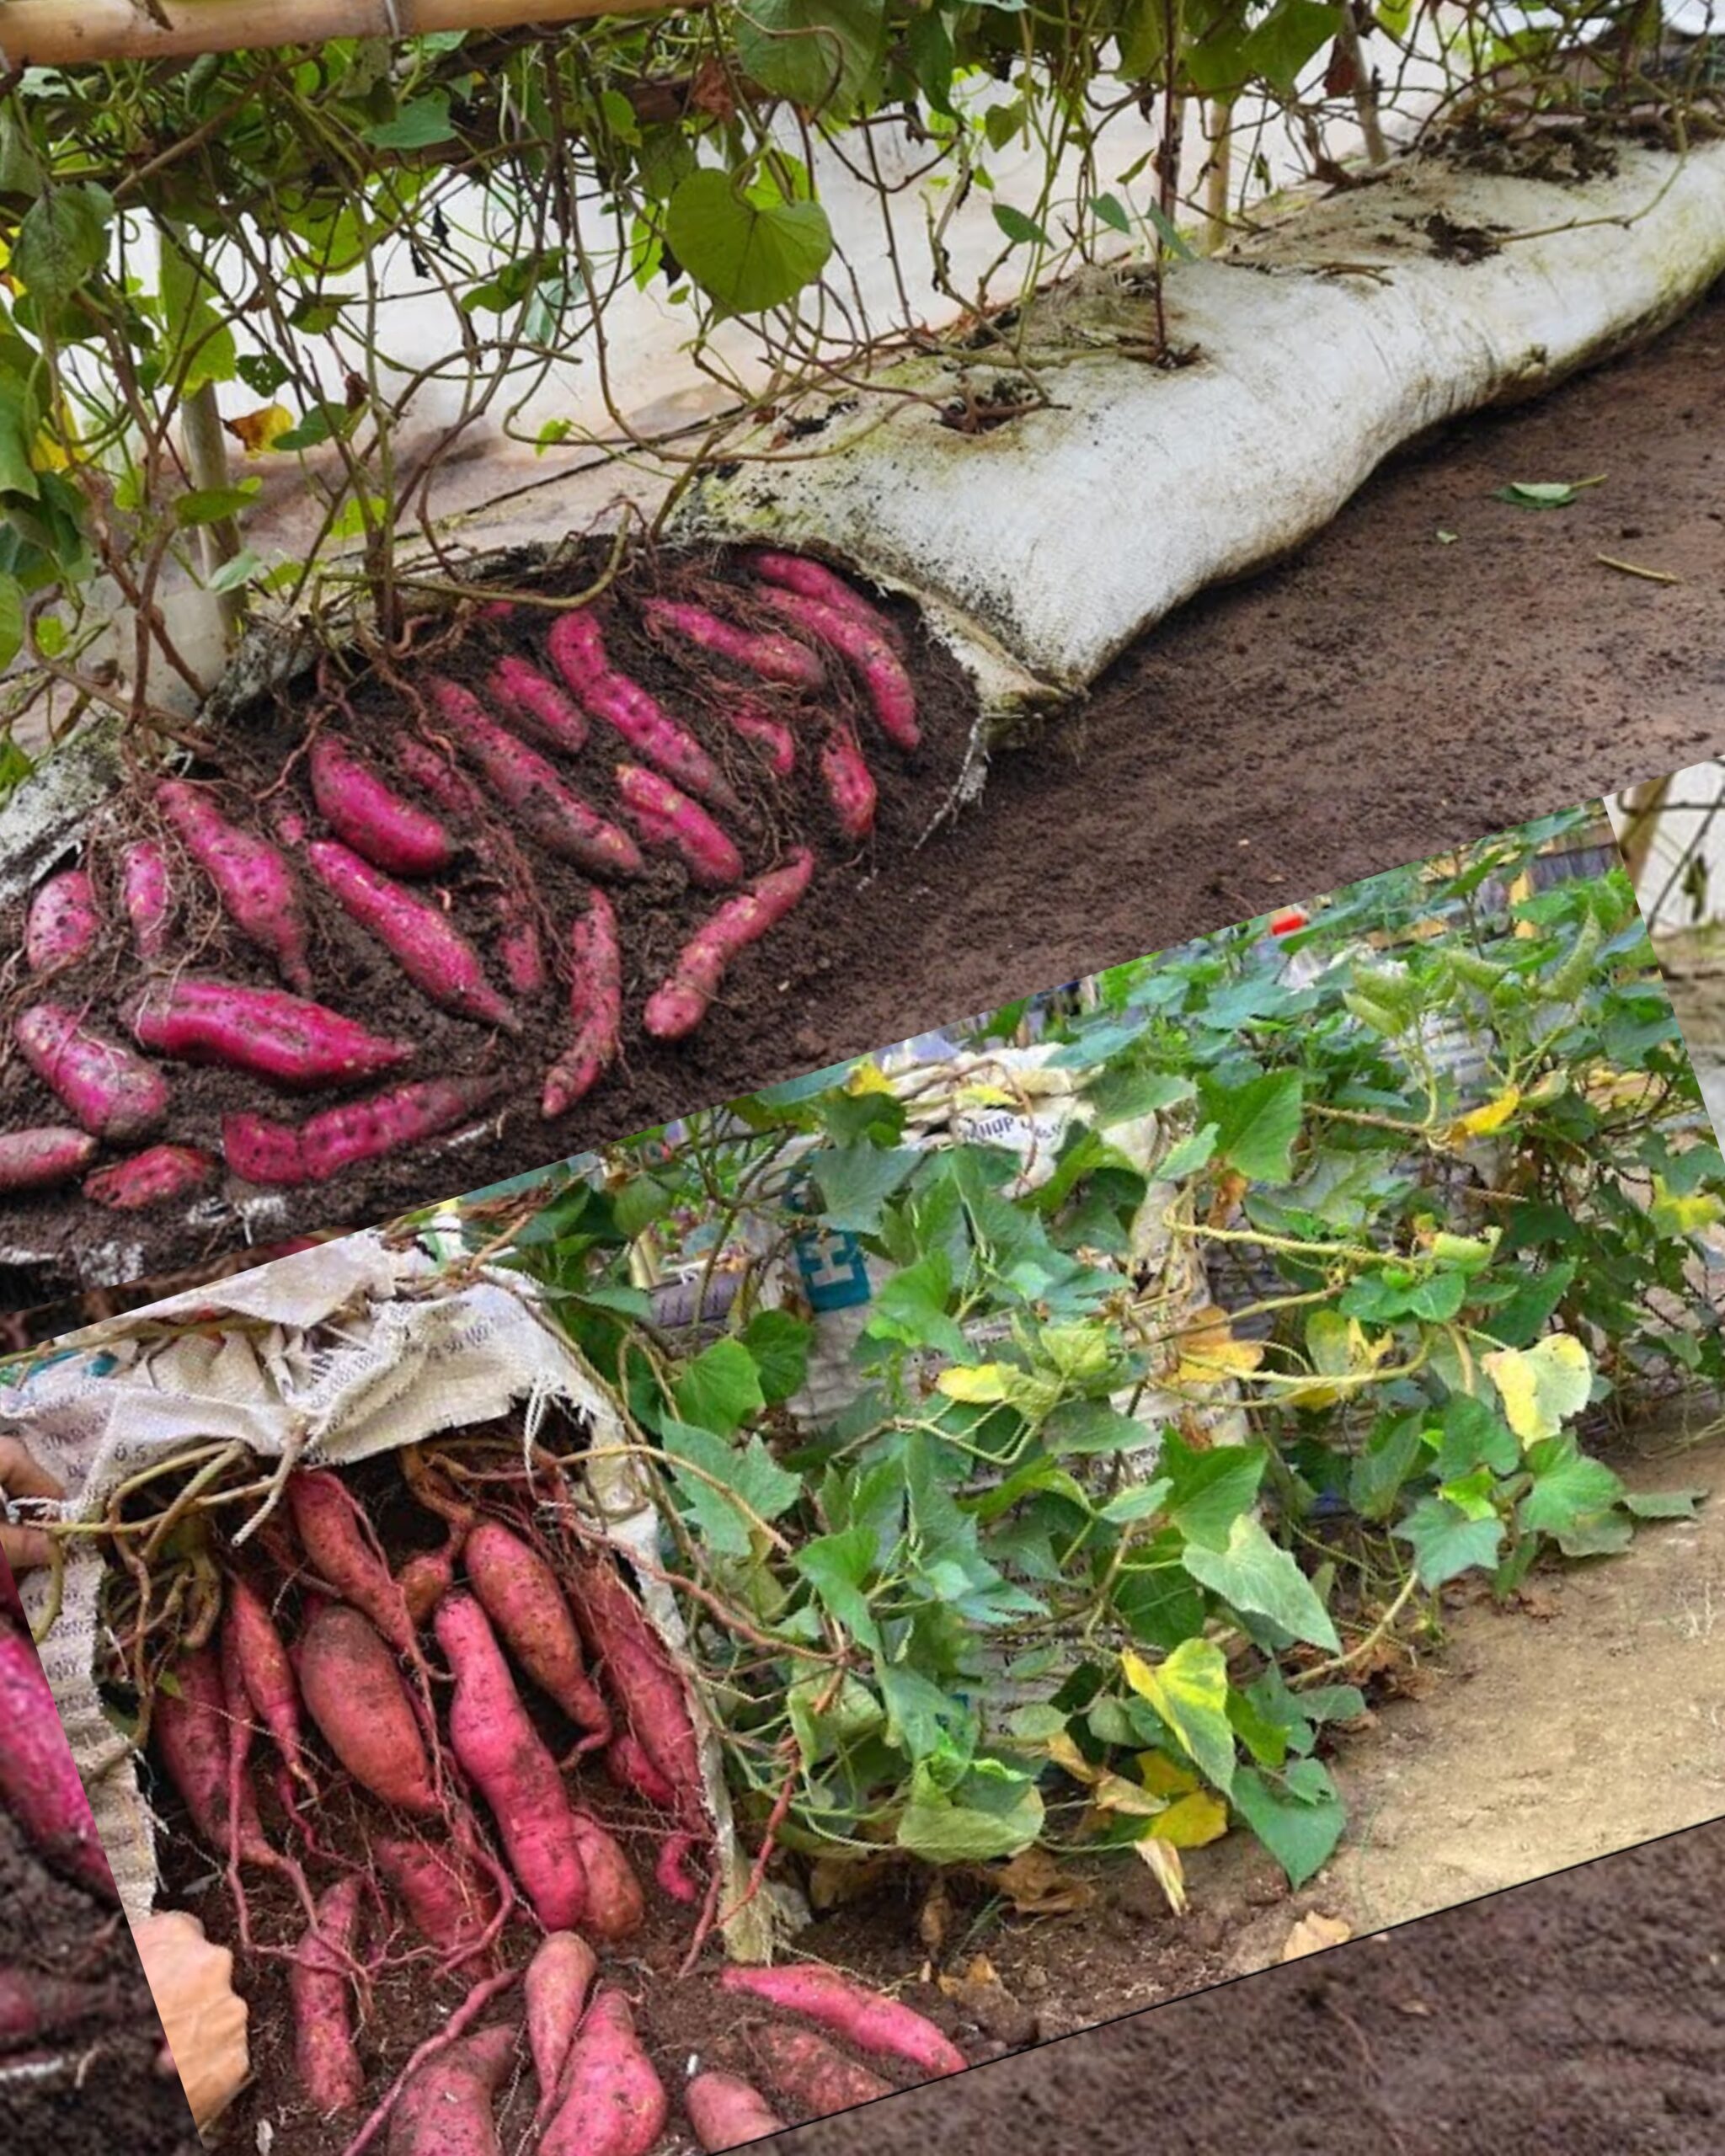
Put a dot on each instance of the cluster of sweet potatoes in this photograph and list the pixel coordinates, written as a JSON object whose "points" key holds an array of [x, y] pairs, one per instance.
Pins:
{"points": [[454, 1709], [432, 840]]}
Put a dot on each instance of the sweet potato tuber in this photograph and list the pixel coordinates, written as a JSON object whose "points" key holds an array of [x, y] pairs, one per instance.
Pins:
{"points": [[815, 2079], [39, 1789], [146, 892], [611, 2101], [518, 943], [849, 783], [112, 1093], [251, 879], [670, 1867], [427, 946], [325, 2054], [62, 923], [558, 1979], [890, 694], [667, 819], [266, 1152], [355, 1693], [192, 1728], [774, 739], [616, 1907], [252, 1646], [151, 1179], [520, 1593], [365, 812], [34, 2008], [502, 1754], [43, 1157], [596, 1004], [262, 1030], [533, 702], [814, 581], [726, 2111], [344, 1552], [637, 1670], [445, 2108], [861, 2016], [629, 1767], [449, 1898], [643, 724], [681, 1003], [768, 652], [547, 810]]}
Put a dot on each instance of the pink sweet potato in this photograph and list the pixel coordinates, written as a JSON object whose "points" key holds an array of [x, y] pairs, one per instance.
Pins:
{"points": [[814, 581], [147, 894], [849, 783], [637, 1670], [193, 1726], [596, 1004], [112, 1093], [726, 2111], [611, 2101], [43, 1157], [642, 721], [668, 818], [355, 1693], [365, 812], [768, 654], [629, 1767], [558, 1979], [36, 2008], [544, 806], [262, 1030], [863, 2018], [534, 703], [322, 1146], [62, 923], [39, 1789], [257, 887], [449, 1898], [445, 2107], [677, 1006], [502, 1754], [616, 1907], [253, 1648], [151, 1179], [258, 1150], [343, 1551], [518, 942], [427, 946], [815, 2079], [890, 693], [774, 739], [325, 2055], [519, 1593], [670, 1868]]}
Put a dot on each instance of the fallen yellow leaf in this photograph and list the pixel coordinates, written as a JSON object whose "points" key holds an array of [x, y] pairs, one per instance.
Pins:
{"points": [[1313, 1934]]}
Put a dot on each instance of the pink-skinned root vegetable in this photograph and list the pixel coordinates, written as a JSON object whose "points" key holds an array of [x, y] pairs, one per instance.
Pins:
{"points": [[774, 739], [518, 940], [43, 1157], [445, 2108], [355, 1693], [257, 887], [342, 1550], [325, 2054], [726, 2111], [555, 1988], [862, 2017], [61, 923], [520, 778], [367, 813], [669, 819], [814, 581], [652, 1703], [616, 1906], [768, 654], [578, 653], [891, 696], [111, 1092], [520, 1593], [427, 946], [681, 1002], [265, 1032], [194, 1730], [849, 783], [629, 1767], [534, 702], [450, 1900], [324, 1145], [253, 1648], [610, 2100], [147, 894], [671, 1868], [501, 1753], [40, 1788], [154, 1178], [596, 1006], [813, 2075], [36, 2008]]}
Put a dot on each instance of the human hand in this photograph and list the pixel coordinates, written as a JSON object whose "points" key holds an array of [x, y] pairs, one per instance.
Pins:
{"points": [[24, 1548]]}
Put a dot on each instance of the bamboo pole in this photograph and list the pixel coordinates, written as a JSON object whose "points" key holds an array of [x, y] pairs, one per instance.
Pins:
{"points": [[71, 33]]}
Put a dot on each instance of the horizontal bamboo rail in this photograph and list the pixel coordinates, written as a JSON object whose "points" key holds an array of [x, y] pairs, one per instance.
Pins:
{"points": [[70, 33]]}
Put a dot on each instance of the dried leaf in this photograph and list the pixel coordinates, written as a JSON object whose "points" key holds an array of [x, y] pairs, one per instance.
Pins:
{"points": [[1037, 1884], [261, 430], [1313, 1934], [1166, 1868]]}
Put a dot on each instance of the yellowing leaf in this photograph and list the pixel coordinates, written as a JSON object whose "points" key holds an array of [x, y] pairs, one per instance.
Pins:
{"points": [[1481, 1122], [1542, 1386], [1189, 1690], [1686, 1215], [1164, 1861], [975, 1382], [1192, 1822], [1165, 1776], [869, 1077], [1114, 1793], [1066, 1755], [978, 1093], [261, 430], [1208, 1351]]}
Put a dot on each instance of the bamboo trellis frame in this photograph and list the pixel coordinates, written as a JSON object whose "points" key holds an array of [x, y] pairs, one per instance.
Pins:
{"points": [[71, 33]]}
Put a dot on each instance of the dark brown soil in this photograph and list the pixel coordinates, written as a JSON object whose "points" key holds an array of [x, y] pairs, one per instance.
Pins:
{"points": [[1381, 697], [1581, 2016], [106, 2099]]}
